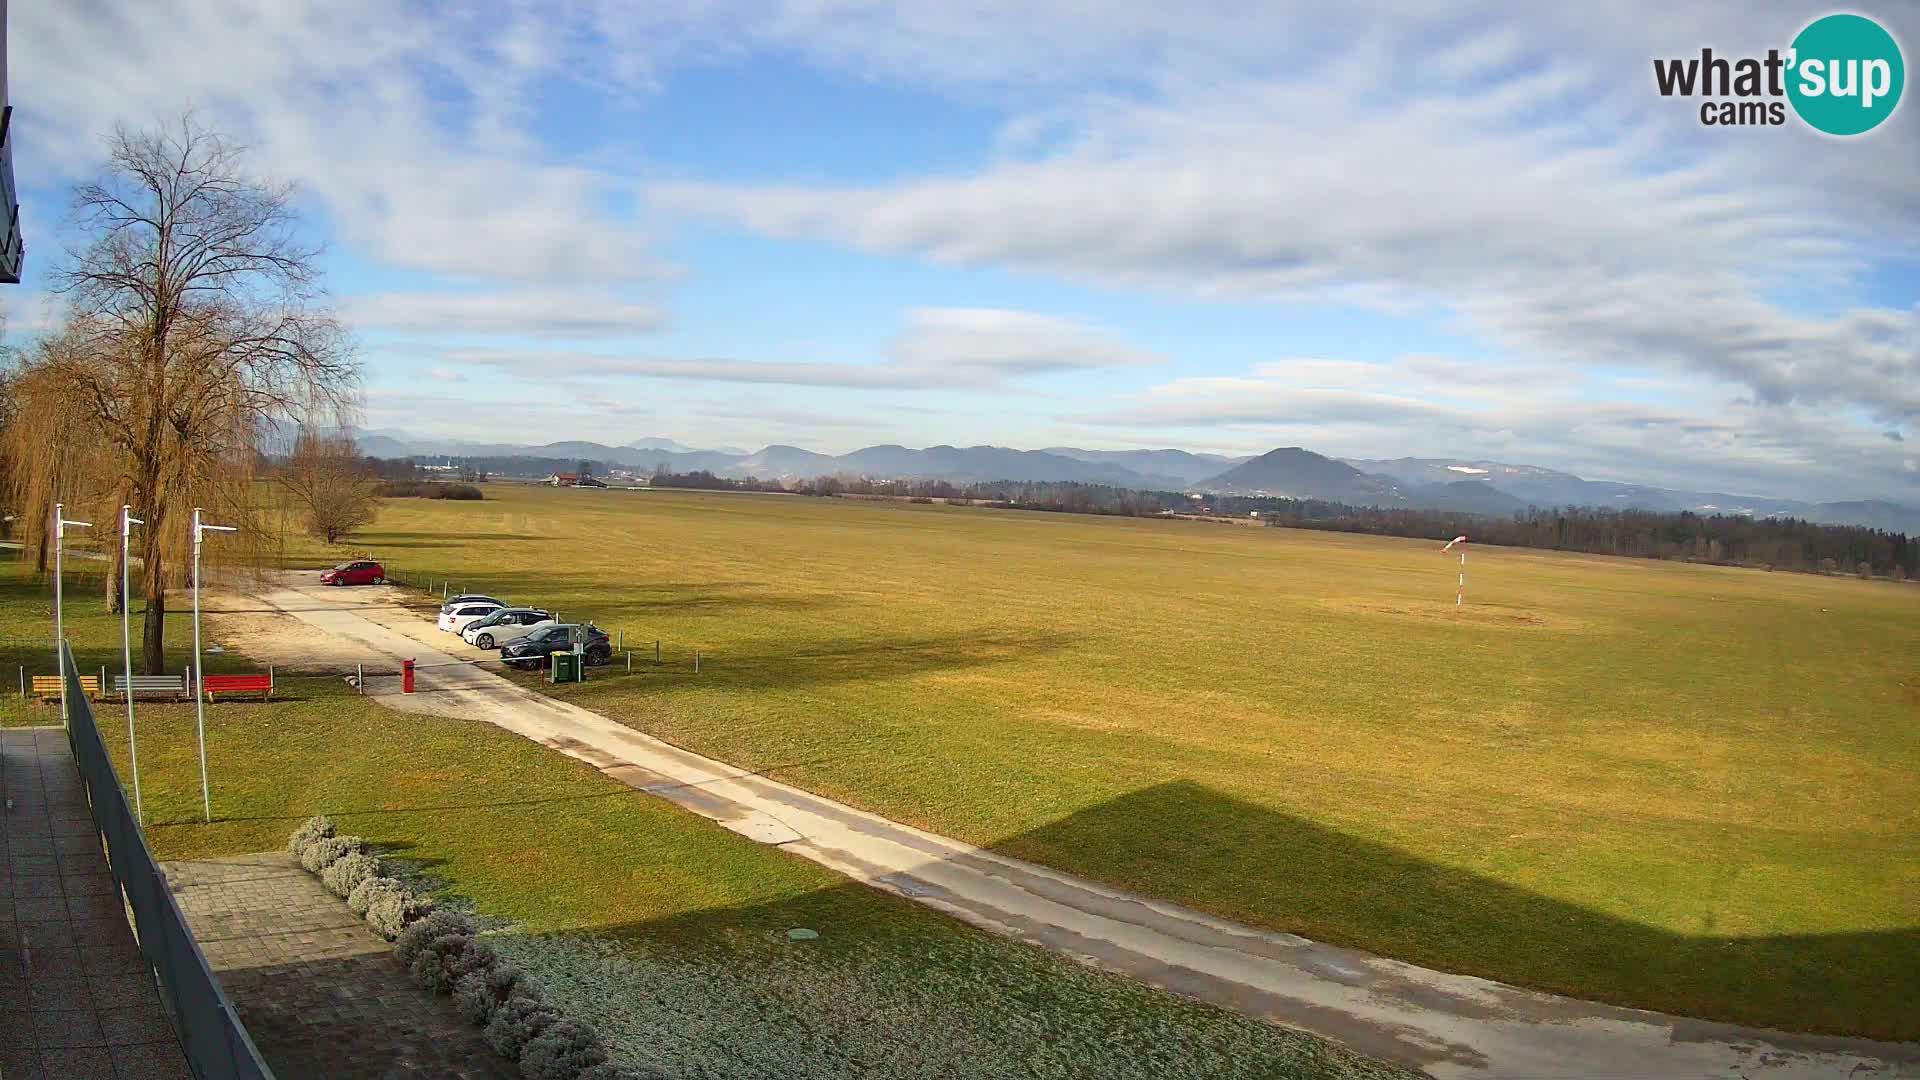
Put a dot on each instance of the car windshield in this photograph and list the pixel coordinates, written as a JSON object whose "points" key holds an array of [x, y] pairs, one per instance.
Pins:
{"points": [[344, 566]]}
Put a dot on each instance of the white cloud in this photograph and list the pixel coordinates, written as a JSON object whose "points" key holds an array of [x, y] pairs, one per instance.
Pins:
{"points": [[410, 126], [941, 348], [533, 313], [1523, 175]]}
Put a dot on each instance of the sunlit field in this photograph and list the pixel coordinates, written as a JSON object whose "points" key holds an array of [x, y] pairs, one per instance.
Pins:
{"points": [[1683, 787]]}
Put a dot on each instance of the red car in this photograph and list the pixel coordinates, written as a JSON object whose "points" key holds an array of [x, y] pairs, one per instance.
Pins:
{"points": [[363, 572]]}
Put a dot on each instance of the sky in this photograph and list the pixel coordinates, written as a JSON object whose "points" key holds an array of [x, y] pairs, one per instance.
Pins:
{"points": [[1378, 228]]}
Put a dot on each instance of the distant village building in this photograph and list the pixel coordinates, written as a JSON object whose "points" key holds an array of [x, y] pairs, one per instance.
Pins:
{"points": [[567, 479]]}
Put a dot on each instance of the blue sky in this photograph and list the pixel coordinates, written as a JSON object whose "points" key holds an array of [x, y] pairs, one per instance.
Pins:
{"points": [[1371, 229]]}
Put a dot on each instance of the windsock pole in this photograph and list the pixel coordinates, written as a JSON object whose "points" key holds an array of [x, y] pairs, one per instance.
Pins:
{"points": [[1460, 594]]}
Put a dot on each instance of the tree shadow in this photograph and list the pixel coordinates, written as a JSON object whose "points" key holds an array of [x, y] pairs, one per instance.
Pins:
{"points": [[1838, 988], [1256, 865]]}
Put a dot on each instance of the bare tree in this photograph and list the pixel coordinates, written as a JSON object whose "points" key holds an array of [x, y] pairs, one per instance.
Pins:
{"points": [[327, 477], [196, 327]]}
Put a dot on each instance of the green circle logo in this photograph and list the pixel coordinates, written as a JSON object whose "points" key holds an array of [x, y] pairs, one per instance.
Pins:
{"points": [[1845, 74]]}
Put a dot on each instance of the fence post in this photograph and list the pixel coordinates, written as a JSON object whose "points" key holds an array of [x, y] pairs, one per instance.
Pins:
{"points": [[696, 663], [360, 679], [629, 661], [656, 650], [623, 637], [23, 682]]}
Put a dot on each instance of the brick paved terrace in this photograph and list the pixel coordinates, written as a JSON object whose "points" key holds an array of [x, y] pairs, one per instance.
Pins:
{"points": [[77, 1001], [320, 993]]}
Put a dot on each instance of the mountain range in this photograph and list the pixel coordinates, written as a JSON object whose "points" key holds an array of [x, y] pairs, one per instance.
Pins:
{"points": [[1456, 484]]}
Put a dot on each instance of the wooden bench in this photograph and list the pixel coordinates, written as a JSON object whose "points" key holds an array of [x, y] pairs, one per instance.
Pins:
{"points": [[173, 686], [48, 686], [239, 684]]}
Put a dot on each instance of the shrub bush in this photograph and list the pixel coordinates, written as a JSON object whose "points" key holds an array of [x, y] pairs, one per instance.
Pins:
{"points": [[324, 852], [347, 872], [314, 828], [516, 1022], [561, 1051], [613, 1070], [437, 925], [362, 896], [478, 994], [426, 489], [436, 965], [391, 909]]}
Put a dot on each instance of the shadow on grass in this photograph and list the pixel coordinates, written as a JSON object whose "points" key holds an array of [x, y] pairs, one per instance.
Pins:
{"points": [[1196, 842], [1250, 863]]}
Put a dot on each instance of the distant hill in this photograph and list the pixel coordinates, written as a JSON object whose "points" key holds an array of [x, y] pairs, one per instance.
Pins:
{"points": [[980, 463], [1468, 485], [1466, 496], [1298, 473], [1175, 469], [784, 463]]}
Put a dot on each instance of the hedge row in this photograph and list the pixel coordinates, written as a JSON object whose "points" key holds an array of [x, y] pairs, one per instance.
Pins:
{"points": [[445, 954]]}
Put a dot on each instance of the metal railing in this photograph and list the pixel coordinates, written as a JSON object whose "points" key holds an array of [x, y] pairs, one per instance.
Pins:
{"points": [[216, 1044]]}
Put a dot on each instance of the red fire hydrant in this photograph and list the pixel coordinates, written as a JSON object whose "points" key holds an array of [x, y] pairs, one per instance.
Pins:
{"points": [[406, 676]]}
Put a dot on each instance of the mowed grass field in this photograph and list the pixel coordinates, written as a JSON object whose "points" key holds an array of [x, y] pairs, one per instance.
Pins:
{"points": [[1688, 788], [666, 931]]}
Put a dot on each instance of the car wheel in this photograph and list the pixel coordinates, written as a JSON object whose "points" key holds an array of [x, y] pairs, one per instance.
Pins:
{"points": [[599, 657], [485, 641], [378, 580]]}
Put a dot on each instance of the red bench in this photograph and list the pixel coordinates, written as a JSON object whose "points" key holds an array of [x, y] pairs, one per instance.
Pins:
{"points": [[239, 684]]}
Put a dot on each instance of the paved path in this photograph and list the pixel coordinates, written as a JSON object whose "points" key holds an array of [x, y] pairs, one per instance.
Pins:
{"points": [[76, 997], [320, 993], [1450, 1025]]}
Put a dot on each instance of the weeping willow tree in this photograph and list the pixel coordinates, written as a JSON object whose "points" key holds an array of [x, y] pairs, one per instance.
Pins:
{"points": [[195, 329]]}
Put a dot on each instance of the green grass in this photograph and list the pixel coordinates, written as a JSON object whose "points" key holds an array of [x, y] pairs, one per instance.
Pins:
{"points": [[1688, 788], [663, 929]]}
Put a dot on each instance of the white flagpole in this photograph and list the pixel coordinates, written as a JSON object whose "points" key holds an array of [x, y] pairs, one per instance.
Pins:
{"points": [[60, 524], [127, 522], [199, 675]]}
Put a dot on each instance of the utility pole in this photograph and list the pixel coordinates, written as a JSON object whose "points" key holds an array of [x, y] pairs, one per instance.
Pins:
{"points": [[200, 676], [60, 524], [127, 522]]}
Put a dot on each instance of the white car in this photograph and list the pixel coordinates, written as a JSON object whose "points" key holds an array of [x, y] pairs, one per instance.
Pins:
{"points": [[504, 625], [472, 598], [455, 619]]}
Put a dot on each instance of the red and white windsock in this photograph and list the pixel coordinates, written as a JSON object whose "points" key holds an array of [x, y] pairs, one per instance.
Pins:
{"points": [[1460, 596]]}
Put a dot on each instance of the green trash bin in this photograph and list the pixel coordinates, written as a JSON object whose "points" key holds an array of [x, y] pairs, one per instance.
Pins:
{"points": [[566, 667]]}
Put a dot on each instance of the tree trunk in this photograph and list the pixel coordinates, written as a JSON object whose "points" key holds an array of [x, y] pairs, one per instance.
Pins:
{"points": [[153, 638], [113, 584]]}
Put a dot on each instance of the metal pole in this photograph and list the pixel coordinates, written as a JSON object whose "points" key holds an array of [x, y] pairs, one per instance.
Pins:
{"points": [[200, 694], [360, 678], [59, 619], [656, 650], [623, 637], [60, 524], [696, 663], [629, 661], [200, 677]]}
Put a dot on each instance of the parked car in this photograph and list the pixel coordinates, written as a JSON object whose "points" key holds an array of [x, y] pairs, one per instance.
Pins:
{"points": [[458, 618], [535, 649], [361, 572], [504, 625], [471, 598]]}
